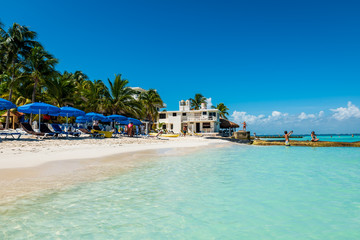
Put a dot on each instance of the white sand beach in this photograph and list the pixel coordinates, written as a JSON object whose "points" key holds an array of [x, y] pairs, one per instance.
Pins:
{"points": [[29, 165]]}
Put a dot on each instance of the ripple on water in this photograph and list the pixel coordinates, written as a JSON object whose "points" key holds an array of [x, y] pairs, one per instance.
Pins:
{"points": [[241, 192]]}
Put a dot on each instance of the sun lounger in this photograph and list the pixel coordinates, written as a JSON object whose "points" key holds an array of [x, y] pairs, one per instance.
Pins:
{"points": [[14, 135], [45, 129], [58, 129], [95, 134], [28, 129]]}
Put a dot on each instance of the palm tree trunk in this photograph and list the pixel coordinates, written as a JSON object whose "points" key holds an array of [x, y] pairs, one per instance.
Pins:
{"points": [[8, 111], [33, 96]]}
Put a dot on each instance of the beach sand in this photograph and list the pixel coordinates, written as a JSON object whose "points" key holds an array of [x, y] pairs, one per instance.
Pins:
{"points": [[29, 166]]}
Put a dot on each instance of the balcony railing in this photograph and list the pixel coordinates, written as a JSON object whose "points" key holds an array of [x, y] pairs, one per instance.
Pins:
{"points": [[194, 119]]}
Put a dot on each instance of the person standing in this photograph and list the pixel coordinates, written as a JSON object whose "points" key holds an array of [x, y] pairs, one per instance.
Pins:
{"points": [[286, 136], [244, 126], [130, 129], [184, 130]]}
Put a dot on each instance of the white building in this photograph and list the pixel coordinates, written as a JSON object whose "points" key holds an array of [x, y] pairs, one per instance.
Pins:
{"points": [[198, 121]]}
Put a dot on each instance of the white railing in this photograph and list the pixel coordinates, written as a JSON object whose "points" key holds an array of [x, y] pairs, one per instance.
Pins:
{"points": [[194, 119]]}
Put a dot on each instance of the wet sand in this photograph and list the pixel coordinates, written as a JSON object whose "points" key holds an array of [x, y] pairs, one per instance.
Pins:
{"points": [[35, 169]]}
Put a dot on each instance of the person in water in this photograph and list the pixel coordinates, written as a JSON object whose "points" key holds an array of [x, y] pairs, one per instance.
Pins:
{"points": [[286, 136], [313, 137], [244, 126]]}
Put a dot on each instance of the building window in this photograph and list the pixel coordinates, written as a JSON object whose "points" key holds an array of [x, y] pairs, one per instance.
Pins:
{"points": [[184, 114], [171, 126], [206, 125], [204, 113], [162, 115], [174, 114], [212, 114], [164, 126]]}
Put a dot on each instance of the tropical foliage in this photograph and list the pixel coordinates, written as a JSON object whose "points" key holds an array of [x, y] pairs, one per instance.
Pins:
{"points": [[223, 110], [197, 101], [28, 74]]}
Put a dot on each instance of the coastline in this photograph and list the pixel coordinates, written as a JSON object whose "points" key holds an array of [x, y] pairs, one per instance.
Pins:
{"points": [[305, 143], [44, 165]]}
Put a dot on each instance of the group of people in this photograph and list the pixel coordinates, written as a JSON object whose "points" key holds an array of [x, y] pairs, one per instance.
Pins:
{"points": [[314, 138], [129, 129]]}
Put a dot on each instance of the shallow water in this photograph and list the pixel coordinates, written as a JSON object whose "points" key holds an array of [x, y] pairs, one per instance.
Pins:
{"points": [[238, 192], [325, 138]]}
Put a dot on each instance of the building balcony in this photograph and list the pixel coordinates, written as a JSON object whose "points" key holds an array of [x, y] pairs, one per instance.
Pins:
{"points": [[199, 119]]}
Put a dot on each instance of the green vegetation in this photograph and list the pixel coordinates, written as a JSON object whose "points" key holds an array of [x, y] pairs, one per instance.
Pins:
{"points": [[223, 110], [28, 74]]}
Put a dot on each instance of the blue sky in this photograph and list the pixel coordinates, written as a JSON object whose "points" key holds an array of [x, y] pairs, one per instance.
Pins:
{"points": [[258, 57]]}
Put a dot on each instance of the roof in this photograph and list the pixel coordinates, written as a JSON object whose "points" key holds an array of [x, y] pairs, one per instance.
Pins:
{"points": [[224, 123], [17, 114]]}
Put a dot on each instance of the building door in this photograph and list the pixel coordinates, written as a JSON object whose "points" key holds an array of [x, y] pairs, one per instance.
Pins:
{"points": [[197, 127]]}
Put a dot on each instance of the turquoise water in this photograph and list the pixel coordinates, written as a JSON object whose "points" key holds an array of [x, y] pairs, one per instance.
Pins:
{"points": [[238, 192], [328, 138]]}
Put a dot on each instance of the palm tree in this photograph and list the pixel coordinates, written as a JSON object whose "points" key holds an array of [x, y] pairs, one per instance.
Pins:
{"points": [[121, 98], [223, 110], [41, 66], [151, 102], [60, 90], [93, 95], [15, 45], [197, 101]]}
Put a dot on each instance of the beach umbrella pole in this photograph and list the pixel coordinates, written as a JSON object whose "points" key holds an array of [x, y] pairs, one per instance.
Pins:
{"points": [[39, 119]]}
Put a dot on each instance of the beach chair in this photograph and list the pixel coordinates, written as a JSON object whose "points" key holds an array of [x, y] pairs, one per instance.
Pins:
{"points": [[45, 129], [94, 134], [28, 129], [13, 135], [58, 129]]}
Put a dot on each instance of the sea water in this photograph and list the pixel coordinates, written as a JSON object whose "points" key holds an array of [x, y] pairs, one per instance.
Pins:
{"points": [[324, 138], [237, 192]]}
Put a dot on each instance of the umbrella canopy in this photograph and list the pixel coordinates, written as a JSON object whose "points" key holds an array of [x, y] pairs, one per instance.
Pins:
{"points": [[81, 119], [70, 112], [134, 121], [96, 116], [117, 118], [39, 108], [5, 104]]}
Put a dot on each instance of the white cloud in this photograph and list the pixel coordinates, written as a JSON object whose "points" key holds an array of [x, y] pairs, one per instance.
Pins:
{"points": [[253, 119], [209, 102], [304, 116], [343, 113]]}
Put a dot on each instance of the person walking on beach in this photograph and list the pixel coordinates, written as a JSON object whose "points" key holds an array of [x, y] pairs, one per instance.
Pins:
{"points": [[184, 130], [244, 126], [130, 129], [286, 136], [313, 137]]}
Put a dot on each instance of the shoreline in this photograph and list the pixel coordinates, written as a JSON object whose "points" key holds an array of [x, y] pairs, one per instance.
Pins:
{"points": [[31, 172], [305, 143]]}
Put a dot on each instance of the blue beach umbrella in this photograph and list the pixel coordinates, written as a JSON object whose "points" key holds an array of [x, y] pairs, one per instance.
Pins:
{"points": [[134, 121], [69, 112], [117, 118], [96, 116], [39, 108], [5, 104], [81, 119]]}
